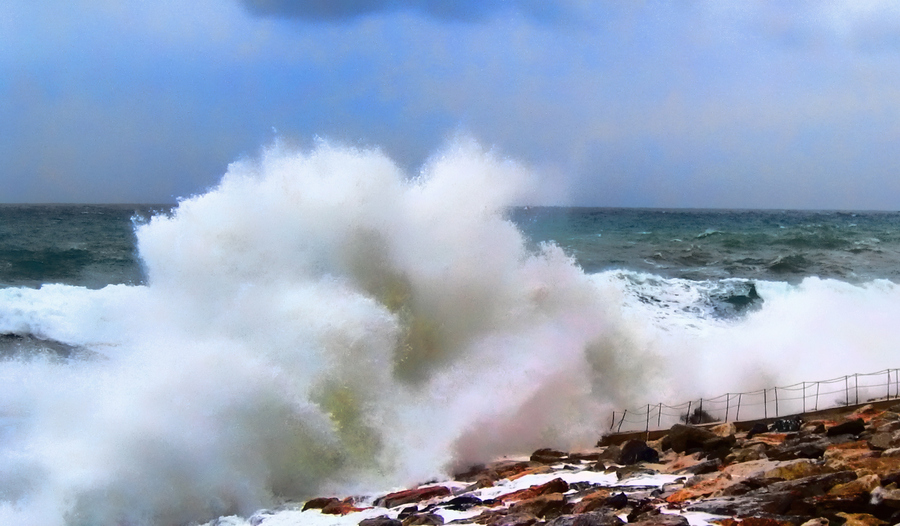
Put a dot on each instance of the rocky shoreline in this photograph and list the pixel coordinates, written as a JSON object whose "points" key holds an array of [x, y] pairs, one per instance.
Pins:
{"points": [[844, 469]]}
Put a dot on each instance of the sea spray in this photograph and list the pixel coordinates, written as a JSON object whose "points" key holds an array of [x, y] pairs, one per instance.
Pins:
{"points": [[317, 321]]}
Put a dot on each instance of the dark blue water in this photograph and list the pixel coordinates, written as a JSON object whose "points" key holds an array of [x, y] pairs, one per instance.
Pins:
{"points": [[94, 245]]}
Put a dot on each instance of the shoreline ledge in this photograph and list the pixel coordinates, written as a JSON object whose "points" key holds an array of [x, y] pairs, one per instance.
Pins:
{"points": [[838, 466]]}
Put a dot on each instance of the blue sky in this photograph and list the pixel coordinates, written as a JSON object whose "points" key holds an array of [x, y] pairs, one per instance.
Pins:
{"points": [[754, 104]]}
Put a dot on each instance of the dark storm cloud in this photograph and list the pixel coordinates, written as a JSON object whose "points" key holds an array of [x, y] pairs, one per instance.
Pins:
{"points": [[338, 10]]}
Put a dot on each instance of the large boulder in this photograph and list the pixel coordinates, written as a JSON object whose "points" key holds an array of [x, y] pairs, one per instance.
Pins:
{"points": [[682, 438], [635, 451]]}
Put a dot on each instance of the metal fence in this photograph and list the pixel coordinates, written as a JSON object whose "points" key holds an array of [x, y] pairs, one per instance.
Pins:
{"points": [[764, 403]]}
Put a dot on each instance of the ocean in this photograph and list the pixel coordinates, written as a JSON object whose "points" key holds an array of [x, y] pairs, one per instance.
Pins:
{"points": [[321, 322]]}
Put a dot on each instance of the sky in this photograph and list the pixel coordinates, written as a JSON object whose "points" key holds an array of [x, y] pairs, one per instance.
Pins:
{"points": [[700, 104]]}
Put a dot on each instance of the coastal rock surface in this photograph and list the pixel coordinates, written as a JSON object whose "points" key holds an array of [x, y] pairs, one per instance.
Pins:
{"points": [[838, 470]]}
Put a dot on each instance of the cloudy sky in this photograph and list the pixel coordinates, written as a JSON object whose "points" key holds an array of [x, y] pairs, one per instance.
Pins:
{"points": [[750, 104]]}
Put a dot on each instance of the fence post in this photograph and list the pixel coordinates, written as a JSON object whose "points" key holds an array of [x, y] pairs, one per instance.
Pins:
{"points": [[727, 401], [619, 430], [804, 397], [687, 418], [889, 385], [659, 416], [612, 422], [737, 417], [816, 408], [856, 386], [776, 402], [765, 405], [700, 416], [648, 422], [846, 390]]}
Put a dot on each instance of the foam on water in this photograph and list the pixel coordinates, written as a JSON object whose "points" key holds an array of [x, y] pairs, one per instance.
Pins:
{"points": [[319, 323]]}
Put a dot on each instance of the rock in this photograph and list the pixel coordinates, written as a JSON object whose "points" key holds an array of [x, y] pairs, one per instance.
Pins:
{"points": [[617, 501], [860, 486], [504, 518], [611, 453], [400, 498], [662, 519], [383, 520], [635, 451], [548, 456], [423, 519], [707, 466], [319, 503], [819, 521], [340, 507], [757, 429], [724, 430], [797, 469], [543, 506], [463, 503], [889, 496], [594, 518], [860, 519], [682, 438], [881, 441], [556, 485], [850, 427]]}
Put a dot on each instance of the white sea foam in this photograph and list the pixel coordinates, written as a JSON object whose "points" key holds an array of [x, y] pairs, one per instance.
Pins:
{"points": [[320, 323]]}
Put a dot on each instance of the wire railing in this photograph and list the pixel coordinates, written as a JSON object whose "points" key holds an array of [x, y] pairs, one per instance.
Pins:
{"points": [[763, 403]]}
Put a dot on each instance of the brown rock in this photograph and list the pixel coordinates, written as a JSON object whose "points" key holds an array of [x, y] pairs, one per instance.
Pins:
{"points": [[383, 520], [724, 430], [796, 469], [409, 496], [543, 506], [750, 521], [318, 503], [701, 489], [881, 441], [594, 518], [662, 519], [504, 518], [423, 519], [849, 427], [549, 456], [682, 438], [591, 502], [862, 485], [341, 507], [556, 485], [860, 519]]}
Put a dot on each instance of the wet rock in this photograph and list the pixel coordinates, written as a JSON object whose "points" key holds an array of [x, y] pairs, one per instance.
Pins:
{"points": [[682, 438], [423, 519], [850, 427], [818, 521], [861, 519], [757, 429], [881, 441], [724, 430], [797, 469], [504, 518], [635, 451], [319, 503], [861, 486], [611, 453], [549, 456], [662, 519], [556, 485], [383, 520], [342, 507], [707, 466], [617, 501], [790, 452], [400, 498], [543, 506], [595, 518], [463, 503]]}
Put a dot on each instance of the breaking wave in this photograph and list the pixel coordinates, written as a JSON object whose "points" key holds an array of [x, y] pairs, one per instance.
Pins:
{"points": [[319, 320]]}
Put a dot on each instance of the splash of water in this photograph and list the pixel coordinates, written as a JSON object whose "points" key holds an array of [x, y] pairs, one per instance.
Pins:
{"points": [[316, 321]]}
